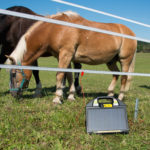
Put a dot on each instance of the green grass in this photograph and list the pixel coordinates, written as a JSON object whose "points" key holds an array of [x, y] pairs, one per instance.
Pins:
{"points": [[38, 124]]}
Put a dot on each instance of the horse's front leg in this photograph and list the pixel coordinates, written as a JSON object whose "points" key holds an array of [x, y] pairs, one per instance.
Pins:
{"points": [[125, 68], [76, 78], [64, 62], [59, 88], [76, 83], [38, 90], [113, 67], [71, 86]]}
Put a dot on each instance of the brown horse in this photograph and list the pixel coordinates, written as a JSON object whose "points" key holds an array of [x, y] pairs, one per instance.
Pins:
{"points": [[11, 29], [71, 44]]}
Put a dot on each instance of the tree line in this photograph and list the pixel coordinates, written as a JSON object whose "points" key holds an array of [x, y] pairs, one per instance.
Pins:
{"points": [[143, 47]]}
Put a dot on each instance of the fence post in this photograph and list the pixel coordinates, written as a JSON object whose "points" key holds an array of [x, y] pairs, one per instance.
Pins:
{"points": [[136, 110]]}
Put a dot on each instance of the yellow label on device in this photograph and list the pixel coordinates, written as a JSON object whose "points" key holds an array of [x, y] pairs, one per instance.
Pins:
{"points": [[107, 105]]}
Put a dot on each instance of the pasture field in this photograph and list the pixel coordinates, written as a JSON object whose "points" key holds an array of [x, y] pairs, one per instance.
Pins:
{"points": [[37, 124]]}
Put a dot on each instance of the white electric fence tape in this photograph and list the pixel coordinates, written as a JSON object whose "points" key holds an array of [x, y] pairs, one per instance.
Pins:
{"points": [[101, 12], [33, 17], [73, 70]]}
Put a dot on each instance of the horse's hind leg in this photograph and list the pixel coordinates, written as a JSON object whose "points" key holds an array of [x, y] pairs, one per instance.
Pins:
{"points": [[125, 68], [71, 86], [113, 67], [76, 77], [76, 83], [38, 90], [129, 79]]}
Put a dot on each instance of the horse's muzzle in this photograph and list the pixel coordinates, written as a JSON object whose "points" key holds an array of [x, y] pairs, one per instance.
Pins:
{"points": [[16, 94]]}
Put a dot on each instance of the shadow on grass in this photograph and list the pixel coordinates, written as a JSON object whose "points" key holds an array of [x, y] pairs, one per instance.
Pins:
{"points": [[95, 95], [144, 86], [50, 91], [4, 93], [46, 91]]}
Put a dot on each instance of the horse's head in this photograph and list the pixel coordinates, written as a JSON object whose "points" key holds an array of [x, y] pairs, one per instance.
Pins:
{"points": [[19, 79]]}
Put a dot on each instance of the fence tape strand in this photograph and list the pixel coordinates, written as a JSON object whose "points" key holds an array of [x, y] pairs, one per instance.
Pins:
{"points": [[73, 70], [102, 12], [34, 17]]}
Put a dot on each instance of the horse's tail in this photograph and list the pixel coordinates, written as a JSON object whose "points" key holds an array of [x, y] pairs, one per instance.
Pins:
{"points": [[131, 69]]}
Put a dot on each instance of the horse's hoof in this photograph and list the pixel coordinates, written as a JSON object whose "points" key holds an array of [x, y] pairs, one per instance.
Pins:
{"points": [[37, 95], [71, 98], [57, 100], [121, 96], [63, 86], [111, 94], [78, 90]]}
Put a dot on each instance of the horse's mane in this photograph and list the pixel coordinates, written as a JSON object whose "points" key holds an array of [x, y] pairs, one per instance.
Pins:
{"points": [[19, 51], [69, 13]]}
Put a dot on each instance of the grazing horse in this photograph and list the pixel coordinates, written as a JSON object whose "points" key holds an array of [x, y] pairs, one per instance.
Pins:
{"points": [[11, 29], [77, 45]]}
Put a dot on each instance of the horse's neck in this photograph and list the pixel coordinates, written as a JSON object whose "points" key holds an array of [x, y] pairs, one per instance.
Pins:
{"points": [[4, 27], [30, 57]]}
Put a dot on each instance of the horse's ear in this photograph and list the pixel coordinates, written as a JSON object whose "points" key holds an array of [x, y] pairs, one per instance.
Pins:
{"points": [[13, 62]]}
